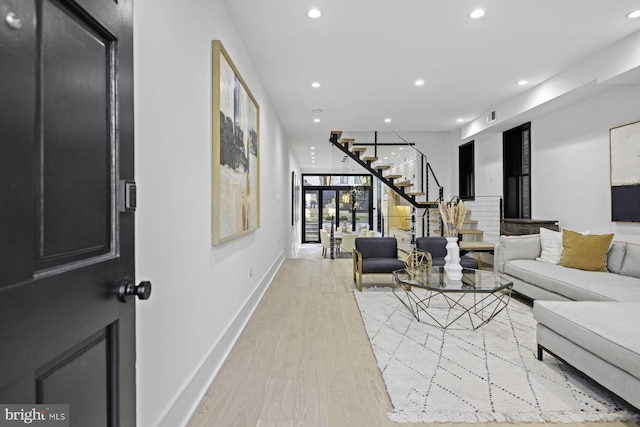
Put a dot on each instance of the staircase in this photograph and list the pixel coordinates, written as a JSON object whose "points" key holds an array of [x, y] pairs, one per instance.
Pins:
{"points": [[398, 165], [404, 169], [394, 161]]}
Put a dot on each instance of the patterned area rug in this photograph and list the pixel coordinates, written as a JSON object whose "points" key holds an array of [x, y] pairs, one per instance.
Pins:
{"points": [[491, 374]]}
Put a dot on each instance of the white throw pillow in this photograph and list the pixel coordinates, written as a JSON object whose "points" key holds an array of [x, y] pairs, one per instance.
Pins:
{"points": [[551, 245]]}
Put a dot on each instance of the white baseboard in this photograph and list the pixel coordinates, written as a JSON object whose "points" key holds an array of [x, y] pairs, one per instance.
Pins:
{"points": [[187, 401]]}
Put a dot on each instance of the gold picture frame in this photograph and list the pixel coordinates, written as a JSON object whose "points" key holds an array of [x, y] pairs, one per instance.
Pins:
{"points": [[235, 152]]}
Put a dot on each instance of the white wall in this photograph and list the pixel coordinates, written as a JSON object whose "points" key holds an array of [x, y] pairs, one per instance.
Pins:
{"points": [[570, 162], [436, 146], [202, 295]]}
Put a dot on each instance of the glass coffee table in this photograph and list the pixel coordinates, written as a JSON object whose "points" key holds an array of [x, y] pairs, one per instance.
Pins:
{"points": [[435, 299]]}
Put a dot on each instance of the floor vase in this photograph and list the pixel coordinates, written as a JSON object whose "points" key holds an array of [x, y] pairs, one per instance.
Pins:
{"points": [[452, 261]]}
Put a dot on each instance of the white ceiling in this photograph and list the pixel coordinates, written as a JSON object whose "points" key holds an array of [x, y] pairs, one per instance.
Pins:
{"points": [[367, 54]]}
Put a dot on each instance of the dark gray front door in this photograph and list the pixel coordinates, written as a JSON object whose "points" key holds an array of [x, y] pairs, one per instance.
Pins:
{"points": [[66, 144]]}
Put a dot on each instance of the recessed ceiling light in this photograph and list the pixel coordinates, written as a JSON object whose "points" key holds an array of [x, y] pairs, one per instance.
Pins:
{"points": [[634, 14], [419, 82], [313, 148], [387, 120], [315, 85], [523, 82], [460, 120], [477, 13], [316, 120], [314, 13]]}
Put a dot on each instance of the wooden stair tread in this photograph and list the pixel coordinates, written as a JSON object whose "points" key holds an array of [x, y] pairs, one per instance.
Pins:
{"points": [[393, 176], [477, 246], [382, 167], [337, 133], [403, 184], [369, 159], [347, 141], [415, 193], [470, 231], [358, 149]]}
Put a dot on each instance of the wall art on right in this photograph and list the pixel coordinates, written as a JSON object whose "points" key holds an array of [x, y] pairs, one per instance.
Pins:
{"points": [[625, 172]]}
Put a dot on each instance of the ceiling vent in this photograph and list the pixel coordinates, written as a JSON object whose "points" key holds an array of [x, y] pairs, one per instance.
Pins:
{"points": [[491, 117]]}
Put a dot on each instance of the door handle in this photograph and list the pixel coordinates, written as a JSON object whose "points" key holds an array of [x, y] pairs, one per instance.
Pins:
{"points": [[128, 289], [13, 21]]}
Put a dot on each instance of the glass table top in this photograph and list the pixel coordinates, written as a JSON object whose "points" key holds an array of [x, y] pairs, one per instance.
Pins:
{"points": [[435, 279]]}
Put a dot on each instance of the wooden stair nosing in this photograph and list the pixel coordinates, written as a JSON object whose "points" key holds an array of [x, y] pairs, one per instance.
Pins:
{"points": [[369, 159], [403, 184], [415, 193], [477, 246], [381, 167], [358, 149], [392, 176], [470, 231], [427, 203]]}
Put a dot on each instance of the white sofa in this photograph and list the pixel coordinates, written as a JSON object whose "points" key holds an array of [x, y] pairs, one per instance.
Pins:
{"points": [[515, 260], [590, 319]]}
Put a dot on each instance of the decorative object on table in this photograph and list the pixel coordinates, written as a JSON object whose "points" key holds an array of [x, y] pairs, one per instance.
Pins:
{"points": [[487, 375], [418, 262], [625, 172], [452, 261], [437, 247], [235, 152], [452, 213]]}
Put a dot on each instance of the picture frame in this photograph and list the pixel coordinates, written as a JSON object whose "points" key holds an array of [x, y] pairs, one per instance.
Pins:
{"points": [[235, 151], [295, 198], [625, 172]]}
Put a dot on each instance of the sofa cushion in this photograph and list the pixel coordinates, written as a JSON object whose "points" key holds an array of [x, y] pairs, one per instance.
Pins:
{"points": [[586, 252], [610, 330], [381, 265], [631, 262], [575, 284], [550, 246], [615, 256], [520, 247]]}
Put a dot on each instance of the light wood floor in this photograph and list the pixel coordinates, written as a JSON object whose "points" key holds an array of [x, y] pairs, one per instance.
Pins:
{"points": [[304, 358]]}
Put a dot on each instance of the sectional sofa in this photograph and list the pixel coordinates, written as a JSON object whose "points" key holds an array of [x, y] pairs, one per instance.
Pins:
{"points": [[589, 319]]}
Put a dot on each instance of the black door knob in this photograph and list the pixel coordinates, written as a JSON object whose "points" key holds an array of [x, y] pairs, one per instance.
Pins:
{"points": [[128, 289]]}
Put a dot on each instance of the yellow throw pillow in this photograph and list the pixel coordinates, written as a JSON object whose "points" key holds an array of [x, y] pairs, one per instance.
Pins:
{"points": [[586, 252]]}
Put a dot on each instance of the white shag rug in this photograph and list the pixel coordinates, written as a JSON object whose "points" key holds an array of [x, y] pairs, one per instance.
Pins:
{"points": [[488, 375]]}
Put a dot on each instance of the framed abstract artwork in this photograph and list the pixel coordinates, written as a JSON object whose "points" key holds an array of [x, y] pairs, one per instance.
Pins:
{"points": [[235, 152], [295, 198], [625, 172]]}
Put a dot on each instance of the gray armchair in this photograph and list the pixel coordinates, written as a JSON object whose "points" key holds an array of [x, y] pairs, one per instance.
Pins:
{"points": [[375, 255], [436, 246]]}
